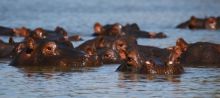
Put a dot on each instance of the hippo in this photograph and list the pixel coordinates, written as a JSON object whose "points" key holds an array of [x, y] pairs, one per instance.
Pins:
{"points": [[210, 23], [51, 53], [197, 54], [104, 46], [119, 30], [39, 33], [6, 31], [137, 62]]}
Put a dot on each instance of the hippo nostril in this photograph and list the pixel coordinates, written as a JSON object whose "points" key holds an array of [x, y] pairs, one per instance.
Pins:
{"points": [[49, 48]]}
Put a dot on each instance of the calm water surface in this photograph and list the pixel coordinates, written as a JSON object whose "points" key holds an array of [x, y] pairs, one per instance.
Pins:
{"points": [[78, 17]]}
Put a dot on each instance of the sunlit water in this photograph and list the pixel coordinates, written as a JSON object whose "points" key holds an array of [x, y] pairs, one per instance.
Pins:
{"points": [[78, 17]]}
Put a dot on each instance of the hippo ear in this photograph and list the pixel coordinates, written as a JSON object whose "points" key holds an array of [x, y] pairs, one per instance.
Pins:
{"points": [[49, 49], [182, 44], [98, 28], [39, 33]]}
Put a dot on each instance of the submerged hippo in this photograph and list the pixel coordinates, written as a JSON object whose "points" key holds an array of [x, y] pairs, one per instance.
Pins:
{"points": [[137, 62], [196, 54], [51, 53], [129, 30], [211, 23], [39, 33], [104, 46]]}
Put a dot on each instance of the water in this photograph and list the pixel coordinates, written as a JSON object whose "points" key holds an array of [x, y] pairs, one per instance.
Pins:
{"points": [[78, 17]]}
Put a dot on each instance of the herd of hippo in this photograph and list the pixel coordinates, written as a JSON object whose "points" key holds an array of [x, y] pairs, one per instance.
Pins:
{"points": [[113, 44]]}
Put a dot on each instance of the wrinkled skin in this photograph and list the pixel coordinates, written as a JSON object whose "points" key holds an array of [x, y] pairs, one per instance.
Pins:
{"points": [[137, 62], [211, 23], [51, 53], [128, 30], [197, 54]]}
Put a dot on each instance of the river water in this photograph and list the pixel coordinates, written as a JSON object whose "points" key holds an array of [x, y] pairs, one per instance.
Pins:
{"points": [[78, 17]]}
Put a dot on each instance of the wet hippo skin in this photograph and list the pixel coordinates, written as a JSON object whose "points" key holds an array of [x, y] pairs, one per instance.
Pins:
{"points": [[197, 54], [129, 30], [141, 62], [211, 23], [51, 53]]}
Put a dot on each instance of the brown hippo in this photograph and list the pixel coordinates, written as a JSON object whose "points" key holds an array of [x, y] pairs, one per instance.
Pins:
{"points": [[104, 46], [6, 31], [51, 53], [40, 33], [196, 54], [129, 30], [211, 23], [137, 62], [8, 50]]}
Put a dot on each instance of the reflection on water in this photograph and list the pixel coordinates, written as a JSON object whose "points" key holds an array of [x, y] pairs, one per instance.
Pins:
{"points": [[78, 16], [104, 82]]}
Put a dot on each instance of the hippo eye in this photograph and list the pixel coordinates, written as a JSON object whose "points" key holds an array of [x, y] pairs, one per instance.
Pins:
{"points": [[107, 55]]}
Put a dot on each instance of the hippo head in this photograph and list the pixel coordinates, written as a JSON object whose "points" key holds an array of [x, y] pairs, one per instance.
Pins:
{"points": [[61, 30], [98, 28], [49, 53], [39, 33], [211, 23], [192, 22], [132, 63], [21, 31], [116, 30], [176, 51], [122, 44]]}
